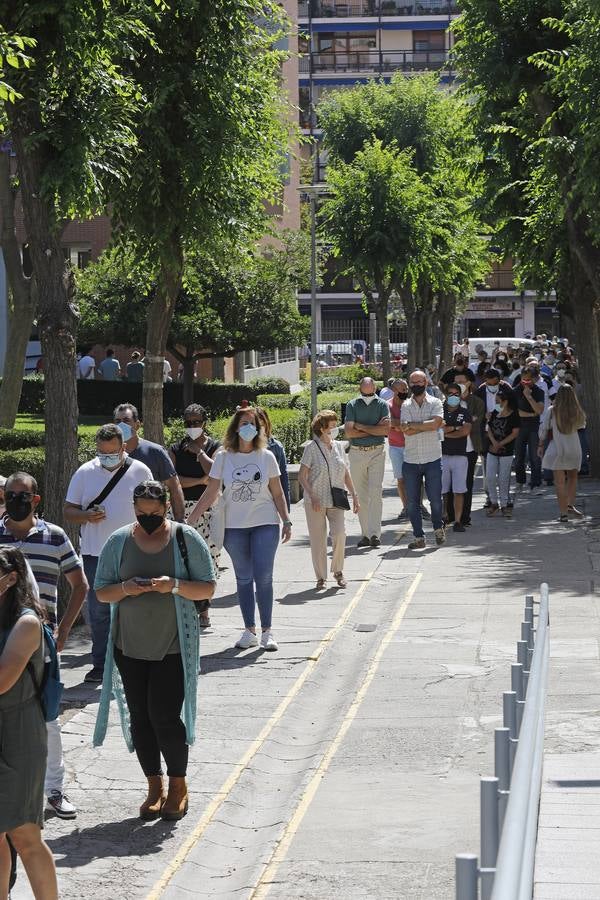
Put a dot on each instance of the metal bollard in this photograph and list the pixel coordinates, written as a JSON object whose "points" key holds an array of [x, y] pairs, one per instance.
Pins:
{"points": [[527, 633], [466, 877], [523, 660], [528, 617], [490, 835], [509, 707], [528, 601], [502, 770], [516, 683]]}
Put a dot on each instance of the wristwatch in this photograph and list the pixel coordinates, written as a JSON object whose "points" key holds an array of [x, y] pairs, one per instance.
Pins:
{"points": [[175, 588], [287, 522]]}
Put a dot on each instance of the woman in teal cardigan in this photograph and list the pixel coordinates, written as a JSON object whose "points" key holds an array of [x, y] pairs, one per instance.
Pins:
{"points": [[152, 657]]}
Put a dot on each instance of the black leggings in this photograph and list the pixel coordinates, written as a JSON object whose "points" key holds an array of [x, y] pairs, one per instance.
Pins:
{"points": [[154, 692]]}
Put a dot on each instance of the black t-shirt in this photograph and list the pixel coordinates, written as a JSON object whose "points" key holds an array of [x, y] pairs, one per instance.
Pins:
{"points": [[523, 404], [187, 465], [501, 427], [456, 417]]}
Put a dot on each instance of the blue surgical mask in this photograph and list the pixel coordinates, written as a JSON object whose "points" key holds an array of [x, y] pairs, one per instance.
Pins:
{"points": [[498, 407], [126, 430], [493, 388], [247, 431], [453, 401], [109, 460]]}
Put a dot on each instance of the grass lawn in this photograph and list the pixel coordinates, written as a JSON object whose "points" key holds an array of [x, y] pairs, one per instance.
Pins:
{"points": [[88, 425]]}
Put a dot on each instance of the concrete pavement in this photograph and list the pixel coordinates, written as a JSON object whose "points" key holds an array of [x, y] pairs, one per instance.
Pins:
{"points": [[348, 763]]}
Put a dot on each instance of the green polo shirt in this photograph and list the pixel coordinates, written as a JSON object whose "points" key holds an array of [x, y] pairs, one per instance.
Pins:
{"points": [[367, 414]]}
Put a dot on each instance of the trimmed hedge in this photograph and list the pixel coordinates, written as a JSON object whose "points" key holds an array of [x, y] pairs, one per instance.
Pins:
{"points": [[290, 426], [270, 385], [29, 459], [17, 439]]}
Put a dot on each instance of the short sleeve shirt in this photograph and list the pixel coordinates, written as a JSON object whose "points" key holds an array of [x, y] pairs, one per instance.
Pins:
{"points": [[500, 427], [110, 368], [524, 405], [156, 458], [50, 554], [322, 461], [426, 446], [456, 417], [135, 371], [395, 438], [367, 414], [87, 483], [245, 477]]}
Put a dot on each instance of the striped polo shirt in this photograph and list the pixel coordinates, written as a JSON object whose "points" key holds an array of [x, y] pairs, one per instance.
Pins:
{"points": [[50, 553]]}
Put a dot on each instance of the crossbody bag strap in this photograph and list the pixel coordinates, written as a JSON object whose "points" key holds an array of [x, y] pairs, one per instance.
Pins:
{"points": [[108, 488], [326, 463], [180, 538]]}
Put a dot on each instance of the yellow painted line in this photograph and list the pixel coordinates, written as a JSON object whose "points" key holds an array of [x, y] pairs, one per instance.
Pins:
{"points": [[228, 785], [266, 879]]}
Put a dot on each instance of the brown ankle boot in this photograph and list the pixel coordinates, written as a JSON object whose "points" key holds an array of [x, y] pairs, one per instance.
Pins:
{"points": [[176, 804], [152, 805]]}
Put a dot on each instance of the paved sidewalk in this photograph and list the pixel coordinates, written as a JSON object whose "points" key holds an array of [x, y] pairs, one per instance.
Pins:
{"points": [[346, 765]]}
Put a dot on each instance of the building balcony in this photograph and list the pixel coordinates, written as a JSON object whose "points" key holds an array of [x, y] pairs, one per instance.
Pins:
{"points": [[376, 62], [322, 9]]}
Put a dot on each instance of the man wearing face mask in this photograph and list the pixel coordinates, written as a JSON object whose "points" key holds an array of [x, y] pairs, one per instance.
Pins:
{"points": [[476, 408], [421, 418], [100, 500], [50, 554], [530, 406], [366, 426], [454, 452], [396, 439], [154, 456]]}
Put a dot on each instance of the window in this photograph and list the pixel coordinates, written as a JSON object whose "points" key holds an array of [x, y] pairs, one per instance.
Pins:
{"points": [[346, 42], [429, 40]]}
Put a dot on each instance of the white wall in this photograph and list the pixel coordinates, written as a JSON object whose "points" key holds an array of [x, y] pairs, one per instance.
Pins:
{"points": [[288, 370]]}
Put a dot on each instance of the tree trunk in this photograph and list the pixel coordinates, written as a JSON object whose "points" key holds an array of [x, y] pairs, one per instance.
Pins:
{"points": [[588, 351], [419, 361], [160, 316], [447, 316], [381, 311], [428, 347], [57, 316], [408, 305], [21, 309]]}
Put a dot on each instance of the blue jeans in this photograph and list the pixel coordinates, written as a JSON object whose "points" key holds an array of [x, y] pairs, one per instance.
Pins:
{"points": [[98, 614], [252, 552], [527, 443], [414, 474]]}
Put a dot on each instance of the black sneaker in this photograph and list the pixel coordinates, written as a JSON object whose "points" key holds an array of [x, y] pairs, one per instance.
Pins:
{"points": [[364, 542], [94, 676], [458, 526], [375, 541]]}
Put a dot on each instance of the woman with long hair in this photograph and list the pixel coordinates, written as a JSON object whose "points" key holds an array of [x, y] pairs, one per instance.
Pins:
{"points": [[563, 454], [253, 503], [502, 431], [278, 451], [23, 735]]}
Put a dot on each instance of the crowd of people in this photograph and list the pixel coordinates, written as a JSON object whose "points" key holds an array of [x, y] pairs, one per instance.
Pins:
{"points": [[153, 523]]}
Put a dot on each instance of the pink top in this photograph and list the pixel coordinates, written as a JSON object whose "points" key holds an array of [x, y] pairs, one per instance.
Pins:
{"points": [[395, 438]]}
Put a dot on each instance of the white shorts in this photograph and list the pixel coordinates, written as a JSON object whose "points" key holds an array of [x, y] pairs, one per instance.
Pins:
{"points": [[454, 474]]}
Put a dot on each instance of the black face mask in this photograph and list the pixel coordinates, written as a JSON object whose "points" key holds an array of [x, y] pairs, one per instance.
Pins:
{"points": [[402, 396], [18, 509], [417, 389], [150, 523]]}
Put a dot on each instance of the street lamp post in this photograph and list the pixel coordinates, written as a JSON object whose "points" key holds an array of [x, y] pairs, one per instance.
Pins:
{"points": [[313, 191]]}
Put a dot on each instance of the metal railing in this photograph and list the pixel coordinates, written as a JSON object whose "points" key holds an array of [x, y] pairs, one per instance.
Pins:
{"points": [[510, 801], [374, 61], [371, 9]]}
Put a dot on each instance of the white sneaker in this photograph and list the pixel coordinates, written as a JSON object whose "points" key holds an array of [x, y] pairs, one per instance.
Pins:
{"points": [[267, 641], [247, 639], [61, 805]]}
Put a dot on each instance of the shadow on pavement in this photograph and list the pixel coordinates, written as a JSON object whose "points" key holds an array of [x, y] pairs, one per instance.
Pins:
{"points": [[230, 659], [127, 837], [302, 597]]}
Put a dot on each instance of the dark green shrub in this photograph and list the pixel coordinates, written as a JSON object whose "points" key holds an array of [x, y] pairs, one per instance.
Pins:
{"points": [[32, 394], [268, 385], [29, 459], [277, 401], [19, 439]]}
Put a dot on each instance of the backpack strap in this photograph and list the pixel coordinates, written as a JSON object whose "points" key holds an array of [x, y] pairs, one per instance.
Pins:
{"points": [[108, 488], [30, 668]]}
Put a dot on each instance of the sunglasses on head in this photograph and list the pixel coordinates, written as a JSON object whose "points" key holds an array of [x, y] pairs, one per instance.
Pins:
{"points": [[149, 492], [19, 495]]}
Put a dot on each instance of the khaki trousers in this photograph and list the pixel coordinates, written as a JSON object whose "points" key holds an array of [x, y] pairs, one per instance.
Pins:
{"points": [[317, 532], [367, 468]]}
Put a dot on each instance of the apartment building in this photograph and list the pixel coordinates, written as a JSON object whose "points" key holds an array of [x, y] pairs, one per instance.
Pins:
{"points": [[347, 43]]}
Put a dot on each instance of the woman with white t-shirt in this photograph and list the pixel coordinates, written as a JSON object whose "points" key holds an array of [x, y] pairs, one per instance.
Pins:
{"points": [[253, 504]]}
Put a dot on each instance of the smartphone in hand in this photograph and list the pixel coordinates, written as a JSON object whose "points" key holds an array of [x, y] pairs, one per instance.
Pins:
{"points": [[143, 582]]}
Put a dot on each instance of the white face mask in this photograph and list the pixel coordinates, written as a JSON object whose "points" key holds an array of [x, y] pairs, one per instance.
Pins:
{"points": [[333, 432], [194, 433], [367, 399], [493, 388], [464, 388]]}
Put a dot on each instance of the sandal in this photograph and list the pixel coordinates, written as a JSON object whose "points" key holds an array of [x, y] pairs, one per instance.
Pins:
{"points": [[573, 511], [339, 577], [492, 509], [320, 584], [204, 620], [563, 519]]}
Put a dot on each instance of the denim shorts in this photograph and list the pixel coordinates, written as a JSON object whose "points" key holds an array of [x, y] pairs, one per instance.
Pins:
{"points": [[454, 474], [397, 458]]}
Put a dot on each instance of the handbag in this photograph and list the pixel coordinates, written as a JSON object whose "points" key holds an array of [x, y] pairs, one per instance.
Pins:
{"points": [[338, 495], [201, 605]]}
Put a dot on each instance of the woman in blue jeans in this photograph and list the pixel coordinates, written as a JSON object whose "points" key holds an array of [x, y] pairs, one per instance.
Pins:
{"points": [[254, 503]]}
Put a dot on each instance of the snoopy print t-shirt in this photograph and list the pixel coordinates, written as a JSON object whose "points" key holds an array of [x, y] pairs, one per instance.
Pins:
{"points": [[245, 477]]}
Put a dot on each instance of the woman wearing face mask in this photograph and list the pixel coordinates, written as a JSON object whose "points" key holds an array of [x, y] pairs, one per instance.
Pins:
{"points": [[253, 503], [23, 730], [192, 457], [563, 454], [322, 467], [502, 431], [152, 656]]}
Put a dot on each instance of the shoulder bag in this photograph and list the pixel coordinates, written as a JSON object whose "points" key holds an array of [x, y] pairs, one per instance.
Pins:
{"points": [[201, 605], [339, 495], [108, 488]]}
